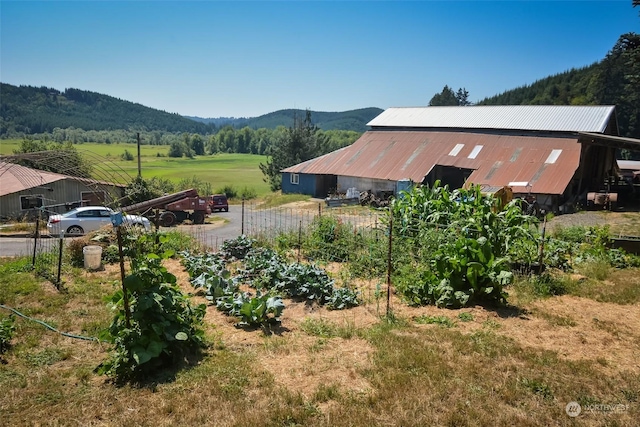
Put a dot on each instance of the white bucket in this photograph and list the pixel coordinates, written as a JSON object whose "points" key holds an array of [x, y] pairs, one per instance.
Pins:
{"points": [[92, 257]]}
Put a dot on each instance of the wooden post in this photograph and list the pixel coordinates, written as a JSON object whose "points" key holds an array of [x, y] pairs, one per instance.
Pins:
{"points": [[125, 295], [139, 166]]}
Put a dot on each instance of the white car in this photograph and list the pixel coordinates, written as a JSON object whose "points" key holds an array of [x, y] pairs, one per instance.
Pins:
{"points": [[90, 218]]}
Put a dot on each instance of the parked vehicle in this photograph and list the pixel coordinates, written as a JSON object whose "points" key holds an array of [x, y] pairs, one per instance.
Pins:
{"points": [[174, 208], [219, 202], [90, 218]]}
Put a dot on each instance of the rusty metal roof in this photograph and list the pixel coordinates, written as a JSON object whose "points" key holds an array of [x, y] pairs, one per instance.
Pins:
{"points": [[551, 118], [14, 178], [547, 164]]}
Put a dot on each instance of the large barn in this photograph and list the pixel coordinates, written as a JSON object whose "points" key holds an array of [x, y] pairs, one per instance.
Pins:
{"points": [[24, 191], [556, 153]]}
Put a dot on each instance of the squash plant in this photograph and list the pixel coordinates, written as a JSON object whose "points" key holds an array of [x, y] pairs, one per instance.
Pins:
{"points": [[164, 326]]}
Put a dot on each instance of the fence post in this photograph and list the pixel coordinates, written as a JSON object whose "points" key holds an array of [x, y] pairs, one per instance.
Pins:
{"points": [[58, 283], [389, 265], [319, 209], [35, 240], [299, 240], [242, 220]]}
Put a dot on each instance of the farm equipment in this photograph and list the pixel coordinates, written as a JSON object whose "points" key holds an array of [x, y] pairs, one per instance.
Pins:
{"points": [[174, 208], [602, 200]]}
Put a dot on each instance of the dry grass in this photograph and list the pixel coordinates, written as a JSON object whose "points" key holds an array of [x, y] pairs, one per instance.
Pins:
{"points": [[514, 366]]}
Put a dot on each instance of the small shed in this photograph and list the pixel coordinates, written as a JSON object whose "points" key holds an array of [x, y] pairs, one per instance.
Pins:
{"points": [[25, 191]]}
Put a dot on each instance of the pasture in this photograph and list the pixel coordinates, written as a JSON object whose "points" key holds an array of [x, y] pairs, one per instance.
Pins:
{"points": [[224, 169]]}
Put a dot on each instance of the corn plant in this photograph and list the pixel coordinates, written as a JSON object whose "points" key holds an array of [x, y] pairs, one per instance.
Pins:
{"points": [[468, 259]]}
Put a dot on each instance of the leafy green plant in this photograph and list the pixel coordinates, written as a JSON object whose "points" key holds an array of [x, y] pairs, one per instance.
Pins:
{"points": [[259, 310], [7, 328], [237, 248], [163, 326], [442, 321], [465, 317], [343, 298]]}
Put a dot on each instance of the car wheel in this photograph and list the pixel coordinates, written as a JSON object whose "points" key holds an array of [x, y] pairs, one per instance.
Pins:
{"points": [[226, 209], [75, 230]]}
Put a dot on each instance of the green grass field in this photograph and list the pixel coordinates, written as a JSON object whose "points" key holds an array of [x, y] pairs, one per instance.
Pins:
{"points": [[237, 170]]}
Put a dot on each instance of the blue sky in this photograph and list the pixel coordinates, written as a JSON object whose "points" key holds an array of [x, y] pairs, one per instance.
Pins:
{"points": [[245, 59]]}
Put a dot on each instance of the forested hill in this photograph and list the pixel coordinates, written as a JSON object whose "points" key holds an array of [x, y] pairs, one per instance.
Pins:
{"points": [[612, 81], [31, 110], [35, 110], [355, 120]]}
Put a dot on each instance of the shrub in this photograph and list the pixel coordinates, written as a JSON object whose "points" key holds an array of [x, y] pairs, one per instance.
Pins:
{"points": [[127, 156], [229, 190], [248, 193]]}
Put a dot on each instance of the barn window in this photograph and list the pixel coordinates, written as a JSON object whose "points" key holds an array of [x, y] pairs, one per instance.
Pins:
{"points": [[31, 202], [553, 156], [476, 150], [455, 150], [295, 178]]}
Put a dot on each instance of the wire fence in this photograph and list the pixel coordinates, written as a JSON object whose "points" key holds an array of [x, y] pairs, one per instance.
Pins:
{"points": [[270, 224]]}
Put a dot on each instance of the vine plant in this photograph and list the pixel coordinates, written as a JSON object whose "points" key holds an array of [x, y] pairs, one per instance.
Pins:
{"points": [[164, 327]]}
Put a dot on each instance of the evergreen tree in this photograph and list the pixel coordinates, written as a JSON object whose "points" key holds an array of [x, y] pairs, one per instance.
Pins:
{"points": [[301, 142]]}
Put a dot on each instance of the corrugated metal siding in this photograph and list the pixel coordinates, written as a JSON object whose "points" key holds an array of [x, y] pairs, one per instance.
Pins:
{"points": [[551, 118], [396, 155]]}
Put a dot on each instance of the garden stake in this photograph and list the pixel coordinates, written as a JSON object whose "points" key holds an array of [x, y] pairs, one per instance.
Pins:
{"points": [[242, 221]]}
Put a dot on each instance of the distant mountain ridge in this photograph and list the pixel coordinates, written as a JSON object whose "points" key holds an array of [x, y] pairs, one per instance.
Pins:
{"points": [[355, 120]]}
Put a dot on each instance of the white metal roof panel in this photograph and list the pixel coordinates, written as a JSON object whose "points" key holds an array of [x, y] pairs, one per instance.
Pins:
{"points": [[555, 118]]}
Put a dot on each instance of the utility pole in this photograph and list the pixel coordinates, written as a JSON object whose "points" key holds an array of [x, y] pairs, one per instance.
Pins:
{"points": [[139, 167]]}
